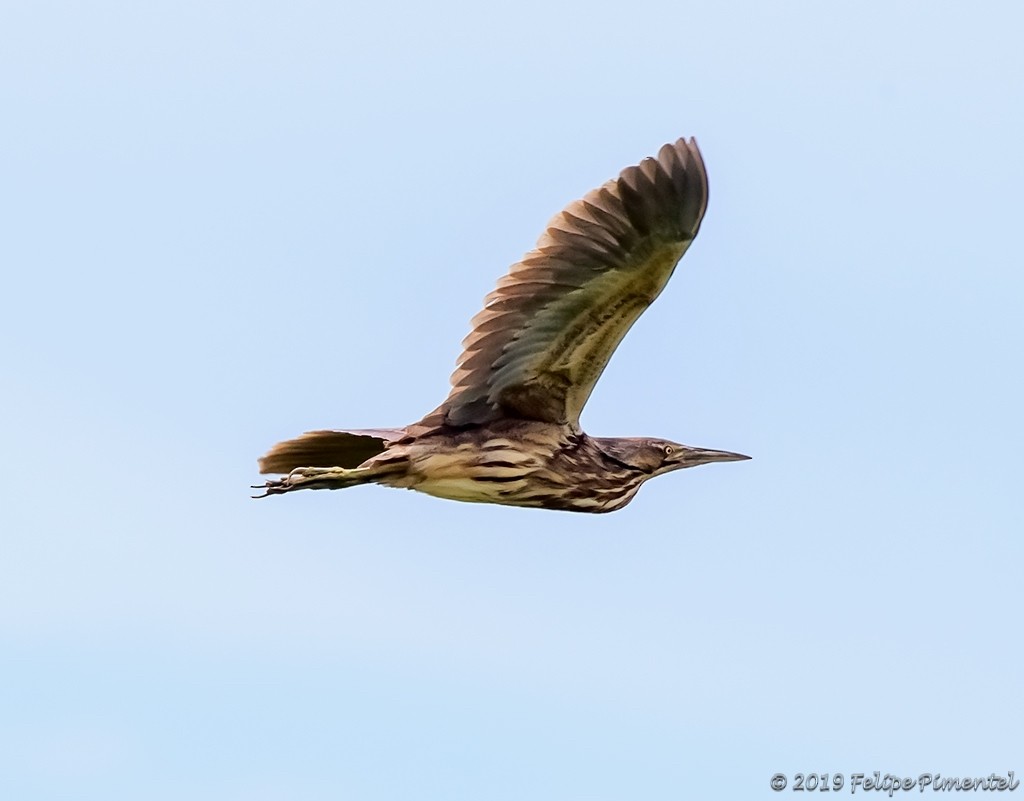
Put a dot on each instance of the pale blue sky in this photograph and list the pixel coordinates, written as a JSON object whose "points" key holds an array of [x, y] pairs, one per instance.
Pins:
{"points": [[227, 223]]}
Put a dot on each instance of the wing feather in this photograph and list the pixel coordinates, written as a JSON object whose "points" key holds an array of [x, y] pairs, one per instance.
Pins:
{"points": [[549, 328]]}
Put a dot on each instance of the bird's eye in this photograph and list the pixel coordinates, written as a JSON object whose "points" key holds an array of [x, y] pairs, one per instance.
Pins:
{"points": [[668, 450]]}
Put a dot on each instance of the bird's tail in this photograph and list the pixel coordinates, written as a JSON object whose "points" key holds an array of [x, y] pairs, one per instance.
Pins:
{"points": [[347, 449]]}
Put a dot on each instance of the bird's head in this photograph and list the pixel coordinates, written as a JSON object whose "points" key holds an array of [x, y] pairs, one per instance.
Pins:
{"points": [[657, 456]]}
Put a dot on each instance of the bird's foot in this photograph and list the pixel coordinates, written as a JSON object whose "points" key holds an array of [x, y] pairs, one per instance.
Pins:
{"points": [[307, 478]]}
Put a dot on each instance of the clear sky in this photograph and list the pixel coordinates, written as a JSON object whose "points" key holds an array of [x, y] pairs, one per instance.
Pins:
{"points": [[226, 223]]}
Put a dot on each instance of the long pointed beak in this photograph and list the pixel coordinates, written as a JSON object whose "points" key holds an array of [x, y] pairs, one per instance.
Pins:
{"points": [[696, 456]]}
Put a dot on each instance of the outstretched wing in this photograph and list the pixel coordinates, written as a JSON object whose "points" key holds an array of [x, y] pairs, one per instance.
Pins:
{"points": [[548, 330]]}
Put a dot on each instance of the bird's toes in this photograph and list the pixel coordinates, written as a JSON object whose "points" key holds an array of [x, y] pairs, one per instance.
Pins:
{"points": [[275, 487]]}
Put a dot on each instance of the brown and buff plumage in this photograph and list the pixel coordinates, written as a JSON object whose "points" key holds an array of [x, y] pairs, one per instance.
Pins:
{"points": [[509, 430]]}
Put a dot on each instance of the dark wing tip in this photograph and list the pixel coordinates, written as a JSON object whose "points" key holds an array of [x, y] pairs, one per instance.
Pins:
{"points": [[667, 195]]}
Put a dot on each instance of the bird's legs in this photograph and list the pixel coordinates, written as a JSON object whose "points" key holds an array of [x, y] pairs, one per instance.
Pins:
{"points": [[316, 478]]}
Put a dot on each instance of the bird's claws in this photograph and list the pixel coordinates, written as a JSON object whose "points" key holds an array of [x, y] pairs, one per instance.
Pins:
{"points": [[294, 480], [271, 488]]}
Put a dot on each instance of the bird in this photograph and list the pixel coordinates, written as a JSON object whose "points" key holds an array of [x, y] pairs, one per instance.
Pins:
{"points": [[509, 431]]}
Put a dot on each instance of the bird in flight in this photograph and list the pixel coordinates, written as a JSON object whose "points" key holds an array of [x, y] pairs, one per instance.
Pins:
{"points": [[509, 431]]}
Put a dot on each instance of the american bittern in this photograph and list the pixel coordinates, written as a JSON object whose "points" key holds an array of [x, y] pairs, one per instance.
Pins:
{"points": [[509, 431]]}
